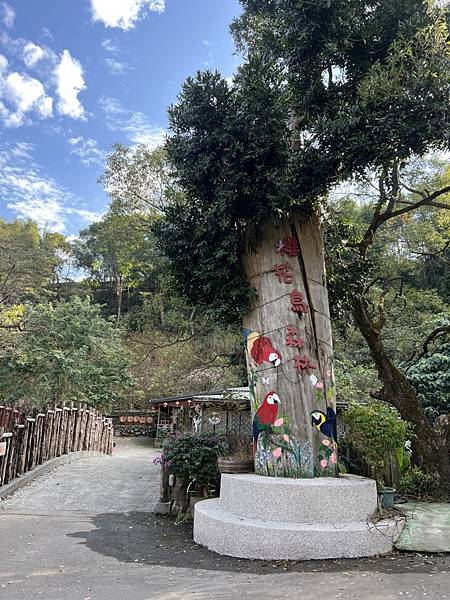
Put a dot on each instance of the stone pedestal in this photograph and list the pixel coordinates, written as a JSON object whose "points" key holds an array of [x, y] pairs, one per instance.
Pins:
{"points": [[274, 518]]}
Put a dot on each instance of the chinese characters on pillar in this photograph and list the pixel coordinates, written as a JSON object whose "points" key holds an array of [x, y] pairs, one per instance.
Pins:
{"points": [[283, 272], [302, 364], [298, 304], [288, 246], [293, 338]]}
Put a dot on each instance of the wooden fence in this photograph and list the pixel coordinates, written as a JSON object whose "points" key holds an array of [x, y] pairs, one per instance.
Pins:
{"points": [[28, 439]]}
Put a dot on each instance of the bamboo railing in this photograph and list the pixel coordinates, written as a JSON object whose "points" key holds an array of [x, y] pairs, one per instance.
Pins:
{"points": [[29, 439]]}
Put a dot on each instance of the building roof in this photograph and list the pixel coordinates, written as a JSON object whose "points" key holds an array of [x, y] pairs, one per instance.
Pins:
{"points": [[226, 396]]}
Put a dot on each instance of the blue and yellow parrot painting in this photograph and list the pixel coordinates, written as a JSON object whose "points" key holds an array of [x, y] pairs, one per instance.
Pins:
{"points": [[325, 423]]}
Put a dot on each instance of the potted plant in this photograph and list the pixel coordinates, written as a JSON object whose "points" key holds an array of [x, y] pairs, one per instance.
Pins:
{"points": [[376, 432], [236, 456]]}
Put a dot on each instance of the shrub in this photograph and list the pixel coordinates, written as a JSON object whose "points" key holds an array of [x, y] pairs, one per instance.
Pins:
{"points": [[416, 483], [193, 456], [376, 432]]}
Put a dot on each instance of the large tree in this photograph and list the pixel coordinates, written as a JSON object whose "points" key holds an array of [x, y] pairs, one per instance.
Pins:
{"points": [[118, 253], [328, 91]]}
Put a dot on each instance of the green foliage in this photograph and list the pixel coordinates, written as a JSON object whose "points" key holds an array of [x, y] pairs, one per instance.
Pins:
{"points": [[368, 79], [354, 380], [375, 431], [328, 91], [137, 181], [229, 149], [430, 375], [412, 309], [119, 254], [29, 263], [416, 483], [170, 362], [67, 352], [193, 457]]}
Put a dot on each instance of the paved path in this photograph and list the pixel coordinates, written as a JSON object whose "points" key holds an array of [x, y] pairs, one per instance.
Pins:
{"points": [[84, 532]]}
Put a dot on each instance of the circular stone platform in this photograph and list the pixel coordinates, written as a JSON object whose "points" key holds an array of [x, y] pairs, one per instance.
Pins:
{"points": [[274, 518]]}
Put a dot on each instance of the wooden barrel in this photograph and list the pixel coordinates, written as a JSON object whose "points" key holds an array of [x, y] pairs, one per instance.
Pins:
{"points": [[234, 466]]}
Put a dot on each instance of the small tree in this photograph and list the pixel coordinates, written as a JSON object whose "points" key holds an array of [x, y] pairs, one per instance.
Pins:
{"points": [[67, 352]]}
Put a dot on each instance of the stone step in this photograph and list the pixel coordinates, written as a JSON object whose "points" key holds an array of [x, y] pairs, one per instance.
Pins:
{"points": [[228, 533], [346, 499]]}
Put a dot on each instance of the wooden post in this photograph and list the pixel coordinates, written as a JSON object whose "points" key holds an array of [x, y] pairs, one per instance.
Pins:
{"points": [[290, 354]]}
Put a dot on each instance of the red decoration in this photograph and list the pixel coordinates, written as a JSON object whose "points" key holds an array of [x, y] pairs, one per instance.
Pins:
{"points": [[302, 364], [288, 246], [283, 272], [293, 338], [262, 350], [298, 302]]}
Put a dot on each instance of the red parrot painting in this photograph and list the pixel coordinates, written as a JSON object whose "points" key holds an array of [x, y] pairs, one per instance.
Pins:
{"points": [[261, 349], [265, 416]]}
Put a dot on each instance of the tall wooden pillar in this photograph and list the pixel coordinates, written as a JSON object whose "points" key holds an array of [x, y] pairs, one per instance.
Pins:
{"points": [[290, 354]]}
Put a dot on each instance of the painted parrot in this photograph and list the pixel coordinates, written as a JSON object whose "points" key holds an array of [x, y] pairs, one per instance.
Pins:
{"points": [[261, 349], [265, 416], [325, 423]]}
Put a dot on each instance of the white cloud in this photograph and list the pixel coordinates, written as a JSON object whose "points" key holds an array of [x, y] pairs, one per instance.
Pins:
{"points": [[32, 53], [24, 94], [110, 46], [124, 13], [87, 215], [3, 63], [87, 151], [60, 76], [23, 91], [70, 82], [135, 125], [8, 15], [117, 67], [30, 194]]}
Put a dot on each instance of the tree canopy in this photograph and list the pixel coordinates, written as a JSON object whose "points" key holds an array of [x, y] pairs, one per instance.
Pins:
{"points": [[68, 352], [353, 87]]}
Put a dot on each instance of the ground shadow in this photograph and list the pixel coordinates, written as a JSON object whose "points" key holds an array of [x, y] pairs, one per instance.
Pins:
{"points": [[147, 539]]}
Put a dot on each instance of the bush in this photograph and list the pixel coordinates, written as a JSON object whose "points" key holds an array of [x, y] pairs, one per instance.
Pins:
{"points": [[194, 456], [416, 483], [376, 432]]}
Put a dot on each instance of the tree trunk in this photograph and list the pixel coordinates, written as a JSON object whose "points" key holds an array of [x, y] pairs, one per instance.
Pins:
{"points": [[290, 354], [119, 296], [430, 449]]}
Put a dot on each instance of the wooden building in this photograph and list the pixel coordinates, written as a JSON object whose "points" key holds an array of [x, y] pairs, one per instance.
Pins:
{"points": [[224, 411]]}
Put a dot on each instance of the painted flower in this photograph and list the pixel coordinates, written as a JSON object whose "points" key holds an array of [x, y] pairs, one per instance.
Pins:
{"points": [[313, 379], [286, 438], [279, 422], [326, 442], [319, 385], [333, 458], [323, 464], [277, 452], [266, 381]]}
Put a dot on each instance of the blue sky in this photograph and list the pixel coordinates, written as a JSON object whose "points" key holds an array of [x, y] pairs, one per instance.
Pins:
{"points": [[76, 76]]}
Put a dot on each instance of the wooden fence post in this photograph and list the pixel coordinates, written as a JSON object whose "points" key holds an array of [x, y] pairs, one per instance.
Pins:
{"points": [[31, 439]]}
